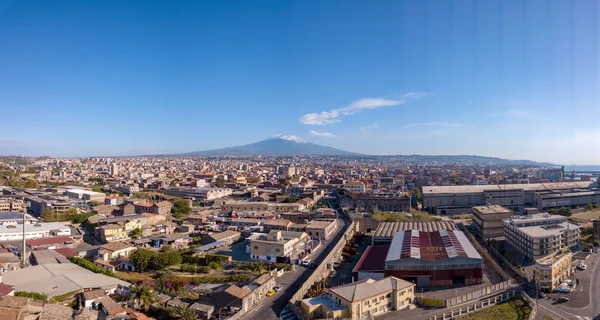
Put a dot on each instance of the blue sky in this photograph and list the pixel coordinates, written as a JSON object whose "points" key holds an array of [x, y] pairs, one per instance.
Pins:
{"points": [[514, 79]]}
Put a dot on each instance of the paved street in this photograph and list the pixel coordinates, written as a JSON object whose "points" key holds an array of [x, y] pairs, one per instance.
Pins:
{"points": [[291, 282], [579, 306]]}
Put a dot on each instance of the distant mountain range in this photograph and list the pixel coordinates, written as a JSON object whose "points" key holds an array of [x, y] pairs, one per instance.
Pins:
{"points": [[291, 145], [280, 144]]}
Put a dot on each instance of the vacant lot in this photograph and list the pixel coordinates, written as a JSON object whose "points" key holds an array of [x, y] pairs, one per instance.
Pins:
{"points": [[514, 309], [587, 215]]}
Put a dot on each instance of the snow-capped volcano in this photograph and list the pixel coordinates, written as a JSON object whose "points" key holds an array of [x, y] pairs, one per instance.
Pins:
{"points": [[280, 144], [289, 138]]}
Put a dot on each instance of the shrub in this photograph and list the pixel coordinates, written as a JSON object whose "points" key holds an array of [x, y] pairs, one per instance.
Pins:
{"points": [[90, 266], [33, 295]]}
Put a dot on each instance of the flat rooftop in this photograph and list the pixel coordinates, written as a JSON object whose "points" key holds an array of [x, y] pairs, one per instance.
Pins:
{"points": [[493, 209], [549, 260], [548, 230], [430, 190]]}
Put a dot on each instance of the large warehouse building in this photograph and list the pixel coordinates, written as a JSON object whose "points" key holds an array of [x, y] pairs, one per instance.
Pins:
{"points": [[437, 258], [386, 231], [460, 199]]}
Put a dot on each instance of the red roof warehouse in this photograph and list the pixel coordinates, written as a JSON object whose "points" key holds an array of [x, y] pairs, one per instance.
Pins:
{"points": [[438, 258]]}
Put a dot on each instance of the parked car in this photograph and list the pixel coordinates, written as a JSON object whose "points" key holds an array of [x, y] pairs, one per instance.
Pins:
{"points": [[306, 262], [277, 288], [563, 290], [542, 294], [562, 299], [270, 293], [336, 265], [582, 266]]}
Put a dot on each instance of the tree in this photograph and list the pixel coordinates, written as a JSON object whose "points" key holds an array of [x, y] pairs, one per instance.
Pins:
{"points": [[97, 188], [285, 181], [453, 180], [183, 313], [291, 199], [31, 294], [142, 297], [141, 258], [418, 194], [219, 182], [136, 233], [181, 209], [32, 184]]}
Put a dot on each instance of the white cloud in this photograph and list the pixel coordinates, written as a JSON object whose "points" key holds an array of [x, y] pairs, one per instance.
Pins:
{"points": [[368, 128], [315, 133], [430, 124], [333, 116]]}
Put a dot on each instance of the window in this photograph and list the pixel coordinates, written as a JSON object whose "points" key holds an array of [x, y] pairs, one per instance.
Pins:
{"points": [[381, 298], [374, 301], [277, 250], [256, 247], [388, 295]]}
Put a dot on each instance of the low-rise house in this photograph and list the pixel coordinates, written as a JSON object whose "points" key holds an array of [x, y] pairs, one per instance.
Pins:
{"points": [[113, 200], [277, 224], [361, 299], [245, 222], [105, 209], [8, 260], [115, 256], [228, 237], [279, 246], [177, 241]]}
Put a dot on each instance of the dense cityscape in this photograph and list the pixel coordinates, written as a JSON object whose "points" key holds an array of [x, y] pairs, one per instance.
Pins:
{"points": [[299, 160], [303, 237]]}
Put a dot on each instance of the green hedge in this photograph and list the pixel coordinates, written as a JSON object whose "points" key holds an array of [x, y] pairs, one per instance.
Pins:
{"points": [[91, 266], [33, 295]]}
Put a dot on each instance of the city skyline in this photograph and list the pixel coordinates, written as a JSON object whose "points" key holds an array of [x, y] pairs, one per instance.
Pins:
{"points": [[509, 80]]}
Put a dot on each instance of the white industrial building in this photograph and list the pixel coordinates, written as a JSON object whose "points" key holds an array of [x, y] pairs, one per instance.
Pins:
{"points": [[33, 231]]}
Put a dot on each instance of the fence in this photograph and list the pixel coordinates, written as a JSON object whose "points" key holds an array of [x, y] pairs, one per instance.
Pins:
{"points": [[532, 303], [495, 288], [460, 311]]}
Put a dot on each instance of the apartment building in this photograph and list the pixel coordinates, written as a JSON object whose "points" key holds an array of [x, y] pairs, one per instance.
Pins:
{"points": [[321, 229], [552, 270], [112, 232], [488, 220], [278, 246], [355, 187], [10, 204], [541, 234], [361, 300]]}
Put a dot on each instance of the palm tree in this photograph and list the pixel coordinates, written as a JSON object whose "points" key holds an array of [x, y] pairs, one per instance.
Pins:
{"points": [[183, 313], [142, 296]]}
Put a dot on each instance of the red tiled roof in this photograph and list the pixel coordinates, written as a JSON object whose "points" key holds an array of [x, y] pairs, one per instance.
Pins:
{"points": [[5, 289], [48, 241], [373, 259], [67, 252]]}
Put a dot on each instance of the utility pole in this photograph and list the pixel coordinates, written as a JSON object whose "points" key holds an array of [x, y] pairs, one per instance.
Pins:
{"points": [[24, 249]]}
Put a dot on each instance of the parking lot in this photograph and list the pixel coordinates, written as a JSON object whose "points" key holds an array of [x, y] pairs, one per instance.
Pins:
{"points": [[343, 274]]}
